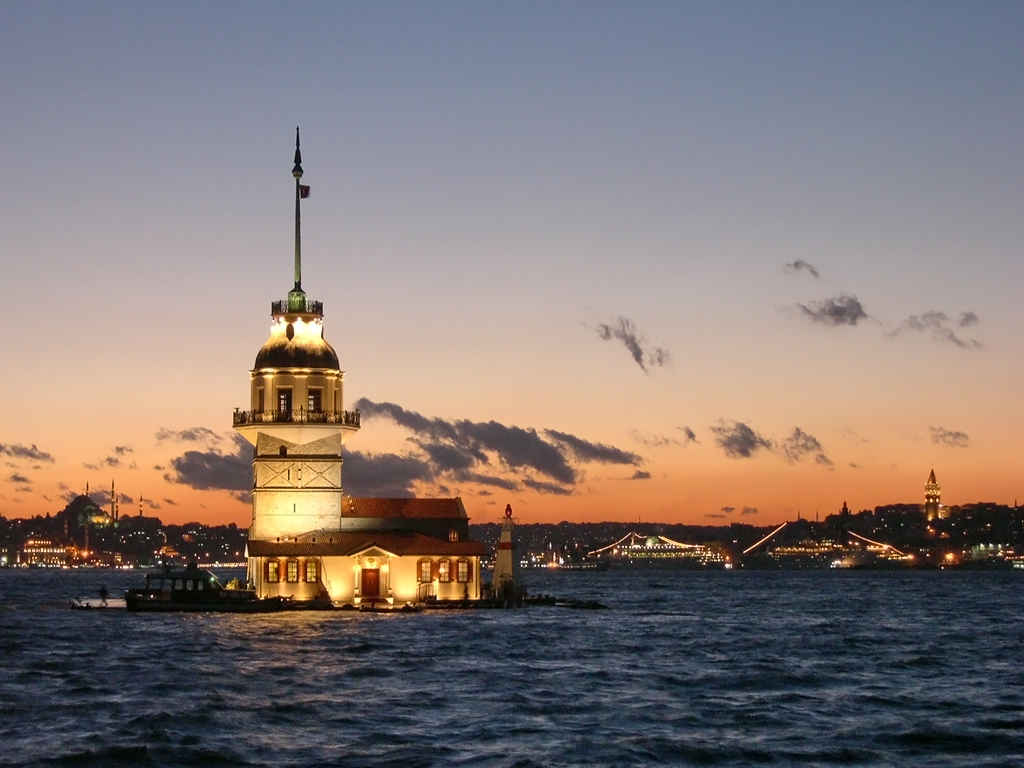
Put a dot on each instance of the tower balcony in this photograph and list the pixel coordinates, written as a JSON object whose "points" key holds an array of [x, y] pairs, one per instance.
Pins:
{"points": [[301, 416], [297, 304]]}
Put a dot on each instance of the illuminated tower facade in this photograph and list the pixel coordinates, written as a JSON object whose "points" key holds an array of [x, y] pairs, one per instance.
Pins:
{"points": [[932, 498], [296, 420]]}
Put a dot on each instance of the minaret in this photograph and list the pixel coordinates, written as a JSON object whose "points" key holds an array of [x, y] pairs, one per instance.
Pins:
{"points": [[113, 503], [296, 420], [932, 498]]}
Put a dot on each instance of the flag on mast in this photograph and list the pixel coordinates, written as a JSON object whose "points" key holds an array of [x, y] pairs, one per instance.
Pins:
{"points": [[303, 191]]}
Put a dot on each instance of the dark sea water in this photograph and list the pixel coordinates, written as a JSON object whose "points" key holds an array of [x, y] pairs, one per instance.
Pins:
{"points": [[722, 668]]}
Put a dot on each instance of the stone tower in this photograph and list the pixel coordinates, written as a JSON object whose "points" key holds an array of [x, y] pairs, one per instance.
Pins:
{"points": [[932, 498], [296, 420]]}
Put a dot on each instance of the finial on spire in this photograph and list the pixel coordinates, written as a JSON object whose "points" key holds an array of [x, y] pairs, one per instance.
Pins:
{"points": [[297, 170]]}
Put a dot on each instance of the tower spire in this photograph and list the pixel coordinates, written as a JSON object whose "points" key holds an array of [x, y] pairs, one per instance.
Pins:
{"points": [[297, 173]]}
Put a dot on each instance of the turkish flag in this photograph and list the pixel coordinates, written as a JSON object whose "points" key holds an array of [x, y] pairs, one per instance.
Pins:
{"points": [[303, 191]]}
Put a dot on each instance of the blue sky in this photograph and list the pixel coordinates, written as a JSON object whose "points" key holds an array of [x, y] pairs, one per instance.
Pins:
{"points": [[491, 182]]}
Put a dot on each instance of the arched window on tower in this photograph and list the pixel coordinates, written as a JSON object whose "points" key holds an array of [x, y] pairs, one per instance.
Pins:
{"points": [[283, 450]]}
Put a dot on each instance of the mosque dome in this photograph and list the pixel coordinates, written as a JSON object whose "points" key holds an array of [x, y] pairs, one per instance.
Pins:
{"points": [[297, 343]]}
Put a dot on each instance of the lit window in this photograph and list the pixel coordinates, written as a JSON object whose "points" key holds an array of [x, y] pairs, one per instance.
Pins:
{"points": [[462, 571], [453, 535], [425, 571], [273, 570], [284, 401], [444, 570], [314, 400], [311, 575], [292, 574]]}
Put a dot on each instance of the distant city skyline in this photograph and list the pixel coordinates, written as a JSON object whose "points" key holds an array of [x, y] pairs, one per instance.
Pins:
{"points": [[684, 264]]}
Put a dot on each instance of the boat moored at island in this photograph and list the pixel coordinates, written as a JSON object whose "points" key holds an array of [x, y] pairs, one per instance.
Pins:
{"points": [[196, 589]]}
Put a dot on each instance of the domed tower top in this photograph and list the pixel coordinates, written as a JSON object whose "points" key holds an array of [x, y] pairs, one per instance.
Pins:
{"points": [[296, 382], [297, 334]]}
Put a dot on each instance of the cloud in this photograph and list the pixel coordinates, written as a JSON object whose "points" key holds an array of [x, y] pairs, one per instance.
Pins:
{"points": [[802, 266], [738, 440], [383, 474], [641, 475], [170, 502], [93, 467], [517, 448], [17, 478], [749, 511], [967, 319], [623, 330], [213, 469], [484, 493], [584, 450], [122, 450], [840, 310], [462, 447], [663, 441], [448, 458], [19, 451], [728, 510], [800, 444], [190, 435], [653, 441], [854, 465], [938, 326], [551, 488], [717, 515], [159, 467], [949, 438], [482, 479]]}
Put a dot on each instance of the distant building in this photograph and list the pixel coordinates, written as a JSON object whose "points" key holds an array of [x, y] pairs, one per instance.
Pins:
{"points": [[933, 498], [307, 539], [44, 552]]}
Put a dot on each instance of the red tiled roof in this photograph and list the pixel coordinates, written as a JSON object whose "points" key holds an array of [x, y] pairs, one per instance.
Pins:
{"points": [[395, 542], [386, 508]]}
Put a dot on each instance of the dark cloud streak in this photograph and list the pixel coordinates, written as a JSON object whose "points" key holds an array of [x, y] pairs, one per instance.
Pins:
{"points": [[802, 266], [624, 330], [839, 310]]}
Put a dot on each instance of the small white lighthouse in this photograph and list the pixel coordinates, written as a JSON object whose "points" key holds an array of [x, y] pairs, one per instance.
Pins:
{"points": [[504, 581]]}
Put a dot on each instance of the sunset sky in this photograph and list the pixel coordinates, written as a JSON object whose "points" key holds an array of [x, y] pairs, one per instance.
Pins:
{"points": [[696, 263]]}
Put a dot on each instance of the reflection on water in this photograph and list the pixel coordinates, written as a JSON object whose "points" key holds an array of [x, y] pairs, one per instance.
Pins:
{"points": [[719, 668]]}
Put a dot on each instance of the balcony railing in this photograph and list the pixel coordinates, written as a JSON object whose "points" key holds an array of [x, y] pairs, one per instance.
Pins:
{"points": [[297, 305], [301, 416]]}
